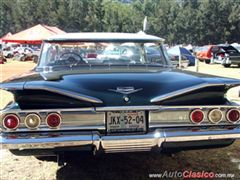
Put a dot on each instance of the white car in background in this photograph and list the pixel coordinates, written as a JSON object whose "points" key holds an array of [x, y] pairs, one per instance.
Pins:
{"points": [[26, 54], [236, 45], [8, 52]]}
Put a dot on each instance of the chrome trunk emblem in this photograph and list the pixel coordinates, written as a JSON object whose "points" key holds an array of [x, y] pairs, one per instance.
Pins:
{"points": [[125, 90]]}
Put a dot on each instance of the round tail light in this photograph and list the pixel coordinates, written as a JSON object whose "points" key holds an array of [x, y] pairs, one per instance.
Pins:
{"points": [[215, 116], [11, 121], [197, 116], [32, 121], [53, 120], [233, 115]]}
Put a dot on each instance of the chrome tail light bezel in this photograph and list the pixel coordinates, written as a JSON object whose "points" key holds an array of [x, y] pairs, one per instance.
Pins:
{"points": [[193, 111], [209, 116], [18, 121], [227, 116], [39, 122], [60, 120]]}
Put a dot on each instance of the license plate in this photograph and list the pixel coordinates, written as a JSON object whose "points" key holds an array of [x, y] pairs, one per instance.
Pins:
{"points": [[126, 121]]}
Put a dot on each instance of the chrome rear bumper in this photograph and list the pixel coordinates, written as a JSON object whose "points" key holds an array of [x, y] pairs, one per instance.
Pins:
{"points": [[113, 143]]}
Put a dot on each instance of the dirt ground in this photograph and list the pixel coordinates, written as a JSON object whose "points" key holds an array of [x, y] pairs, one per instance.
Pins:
{"points": [[120, 166]]}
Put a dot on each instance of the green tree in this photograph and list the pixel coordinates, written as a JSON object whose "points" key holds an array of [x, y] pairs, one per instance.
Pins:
{"points": [[178, 21]]}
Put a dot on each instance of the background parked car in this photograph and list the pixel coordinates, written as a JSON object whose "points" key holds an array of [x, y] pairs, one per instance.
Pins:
{"points": [[8, 52], [185, 54], [26, 54], [237, 46], [153, 54], [175, 61], [226, 55], [119, 54], [205, 54], [18, 50]]}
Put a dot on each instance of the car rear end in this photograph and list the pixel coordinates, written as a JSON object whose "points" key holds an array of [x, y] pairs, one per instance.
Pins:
{"points": [[119, 129], [71, 104], [227, 55], [205, 54], [51, 117]]}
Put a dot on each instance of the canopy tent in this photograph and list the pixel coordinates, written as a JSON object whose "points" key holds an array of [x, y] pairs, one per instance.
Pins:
{"points": [[33, 35], [5, 36]]}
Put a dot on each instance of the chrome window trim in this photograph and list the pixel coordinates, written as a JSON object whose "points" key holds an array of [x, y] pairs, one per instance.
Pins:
{"points": [[104, 37]]}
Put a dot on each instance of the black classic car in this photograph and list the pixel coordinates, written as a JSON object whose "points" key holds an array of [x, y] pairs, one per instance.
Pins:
{"points": [[116, 103], [226, 55]]}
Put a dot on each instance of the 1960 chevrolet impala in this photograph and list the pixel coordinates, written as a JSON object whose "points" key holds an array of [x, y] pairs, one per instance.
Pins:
{"points": [[115, 92]]}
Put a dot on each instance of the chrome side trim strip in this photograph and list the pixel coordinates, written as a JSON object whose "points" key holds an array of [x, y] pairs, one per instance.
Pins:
{"points": [[94, 118], [65, 93], [9, 110], [180, 116], [117, 108], [186, 90]]}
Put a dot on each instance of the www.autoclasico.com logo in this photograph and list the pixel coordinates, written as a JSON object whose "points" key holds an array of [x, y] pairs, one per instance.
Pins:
{"points": [[190, 175]]}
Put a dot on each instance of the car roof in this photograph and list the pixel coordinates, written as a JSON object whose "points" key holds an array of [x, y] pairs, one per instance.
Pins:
{"points": [[104, 37], [224, 45]]}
